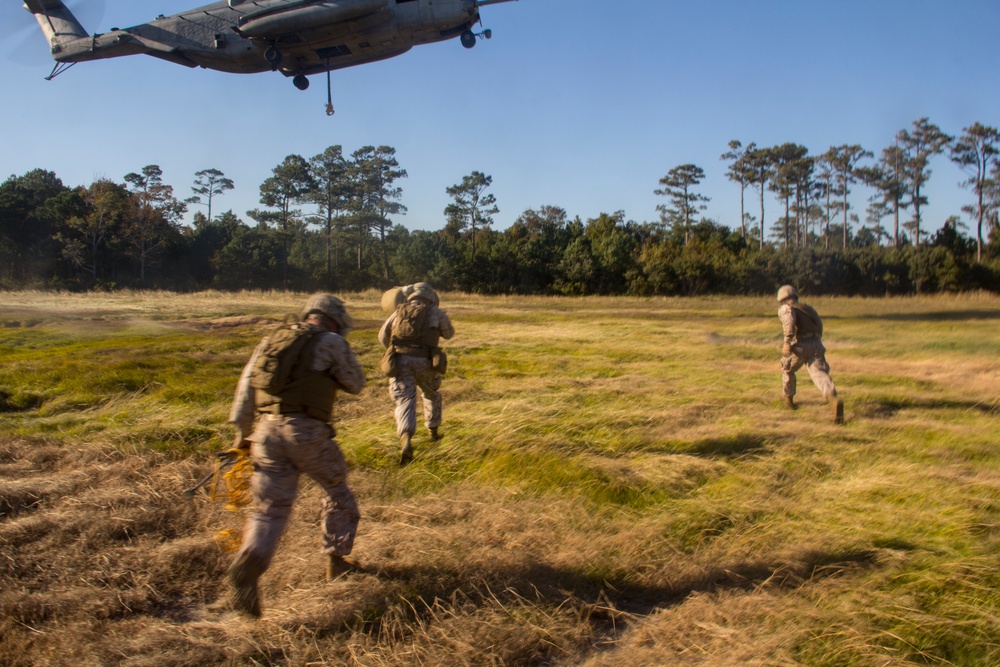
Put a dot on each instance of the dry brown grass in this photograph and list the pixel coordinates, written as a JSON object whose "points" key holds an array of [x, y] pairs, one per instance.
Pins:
{"points": [[617, 486]]}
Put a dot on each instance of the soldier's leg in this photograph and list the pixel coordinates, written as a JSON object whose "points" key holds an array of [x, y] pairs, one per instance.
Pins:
{"points": [[819, 371], [273, 487], [403, 390], [789, 364], [429, 383], [319, 457]]}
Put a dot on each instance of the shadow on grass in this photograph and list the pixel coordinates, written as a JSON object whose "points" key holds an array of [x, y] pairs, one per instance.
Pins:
{"points": [[607, 604], [732, 446], [940, 316], [19, 401], [888, 407]]}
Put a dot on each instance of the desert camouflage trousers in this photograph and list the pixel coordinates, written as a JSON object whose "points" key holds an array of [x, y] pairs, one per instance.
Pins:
{"points": [[812, 355], [284, 447], [415, 373]]}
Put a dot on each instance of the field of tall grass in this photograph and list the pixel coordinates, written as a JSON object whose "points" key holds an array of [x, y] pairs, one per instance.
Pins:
{"points": [[618, 484]]}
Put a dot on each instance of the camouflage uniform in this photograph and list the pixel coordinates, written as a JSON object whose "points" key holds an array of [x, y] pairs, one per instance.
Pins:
{"points": [[285, 445], [415, 372], [803, 346]]}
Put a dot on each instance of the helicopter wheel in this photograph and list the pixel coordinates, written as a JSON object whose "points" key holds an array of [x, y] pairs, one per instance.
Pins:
{"points": [[468, 39], [300, 81]]}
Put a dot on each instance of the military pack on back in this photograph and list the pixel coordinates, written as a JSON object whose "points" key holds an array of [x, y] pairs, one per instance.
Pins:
{"points": [[411, 330], [807, 321], [284, 359]]}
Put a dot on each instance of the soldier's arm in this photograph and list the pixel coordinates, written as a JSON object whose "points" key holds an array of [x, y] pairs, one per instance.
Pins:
{"points": [[385, 333], [445, 328], [787, 318], [334, 355], [242, 412]]}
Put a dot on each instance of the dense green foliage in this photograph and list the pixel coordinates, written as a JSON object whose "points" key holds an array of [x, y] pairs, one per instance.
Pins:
{"points": [[128, 235], [543, 252]]}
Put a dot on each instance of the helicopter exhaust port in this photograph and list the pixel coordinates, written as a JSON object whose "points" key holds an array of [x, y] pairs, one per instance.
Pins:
{"points": [[273, 57], [300, 81]]}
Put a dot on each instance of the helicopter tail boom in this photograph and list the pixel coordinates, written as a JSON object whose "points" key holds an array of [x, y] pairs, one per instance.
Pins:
{"points": [[69, 42], [56, 21]]}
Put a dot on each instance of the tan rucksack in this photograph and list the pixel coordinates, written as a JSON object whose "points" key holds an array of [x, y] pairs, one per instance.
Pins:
{"points": [[411, 326]]}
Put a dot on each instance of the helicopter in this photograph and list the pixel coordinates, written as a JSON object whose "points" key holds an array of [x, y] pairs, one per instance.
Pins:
{"points": [[297, 38]]}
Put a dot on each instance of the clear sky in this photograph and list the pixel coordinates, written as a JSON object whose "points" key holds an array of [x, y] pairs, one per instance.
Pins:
{"points": [[582, 104]]}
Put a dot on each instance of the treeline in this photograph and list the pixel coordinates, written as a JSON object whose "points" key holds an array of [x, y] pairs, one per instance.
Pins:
{"points": [[326, 223]]}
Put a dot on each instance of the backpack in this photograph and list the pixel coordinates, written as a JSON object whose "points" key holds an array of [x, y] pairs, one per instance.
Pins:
{"points": [[410, 328], [284, 359], [807, 321]]}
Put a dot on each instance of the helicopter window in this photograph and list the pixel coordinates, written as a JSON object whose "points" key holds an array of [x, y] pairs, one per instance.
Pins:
{"points": [[399, 2]]}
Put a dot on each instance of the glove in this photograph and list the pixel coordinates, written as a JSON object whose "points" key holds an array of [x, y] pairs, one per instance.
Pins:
{"points": [[241, 443], [241, 447]]}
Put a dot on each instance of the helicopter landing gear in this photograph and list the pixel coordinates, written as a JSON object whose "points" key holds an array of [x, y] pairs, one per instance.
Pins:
{"points": [[273, 57], [469, 38], [300, 81]]}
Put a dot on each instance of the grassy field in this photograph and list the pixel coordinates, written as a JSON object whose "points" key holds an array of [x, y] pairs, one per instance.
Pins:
{"points": [[618, 485]]}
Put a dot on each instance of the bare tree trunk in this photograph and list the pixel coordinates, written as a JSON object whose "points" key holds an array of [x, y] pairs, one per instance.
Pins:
{"points": [[845, 214], [761, 215], [743, 215]]}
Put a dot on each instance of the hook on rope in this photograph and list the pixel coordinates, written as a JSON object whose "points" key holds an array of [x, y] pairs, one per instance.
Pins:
{"points": [[329, 92]]}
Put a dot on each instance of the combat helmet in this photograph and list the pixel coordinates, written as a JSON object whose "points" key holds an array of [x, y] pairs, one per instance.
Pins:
{"points": [[787, 292], [332, 307], [423, 291]]}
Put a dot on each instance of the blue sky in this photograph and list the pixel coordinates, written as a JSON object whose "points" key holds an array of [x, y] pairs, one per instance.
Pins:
{"points": [[582, 104]]}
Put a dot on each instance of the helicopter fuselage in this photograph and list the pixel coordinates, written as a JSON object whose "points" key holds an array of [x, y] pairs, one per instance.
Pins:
{"points": [[295, 37]]}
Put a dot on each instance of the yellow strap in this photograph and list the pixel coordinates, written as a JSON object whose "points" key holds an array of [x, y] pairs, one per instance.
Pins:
{"points": [[236, 495]]}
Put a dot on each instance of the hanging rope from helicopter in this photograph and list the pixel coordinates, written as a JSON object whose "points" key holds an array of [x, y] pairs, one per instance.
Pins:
{"points": [[329, 91]]}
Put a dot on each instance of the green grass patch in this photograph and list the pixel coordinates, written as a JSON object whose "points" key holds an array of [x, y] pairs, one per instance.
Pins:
{"points": [[632, 447]]}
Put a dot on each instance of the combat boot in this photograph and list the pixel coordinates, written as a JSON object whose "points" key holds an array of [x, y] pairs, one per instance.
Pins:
{"points": [[435, 436], [406, 455], [243, 576], [837, 409], [336, 566], [790, 403]]}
